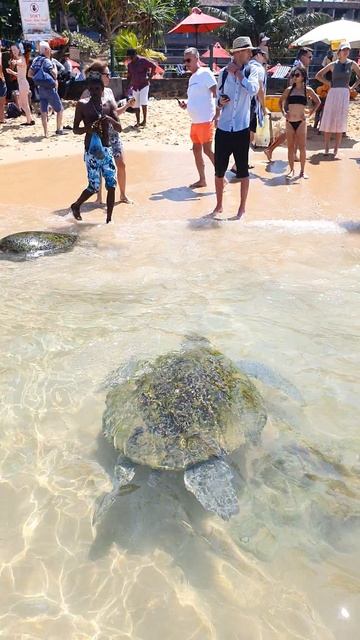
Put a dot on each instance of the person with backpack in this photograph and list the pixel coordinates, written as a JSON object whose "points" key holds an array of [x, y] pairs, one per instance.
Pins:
{"points": [[232, 136], [44, 74]]}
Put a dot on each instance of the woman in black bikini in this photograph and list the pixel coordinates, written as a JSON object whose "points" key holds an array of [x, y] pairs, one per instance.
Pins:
{"points": [[293, 104]]}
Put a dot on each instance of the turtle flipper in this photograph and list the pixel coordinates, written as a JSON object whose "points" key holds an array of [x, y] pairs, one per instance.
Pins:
{"points": [[124, 472], [211, 484]]}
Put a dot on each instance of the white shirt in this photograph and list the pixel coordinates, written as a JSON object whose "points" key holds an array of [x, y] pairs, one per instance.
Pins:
{"points": [[260, 70], [235, 115], [201, 102]]}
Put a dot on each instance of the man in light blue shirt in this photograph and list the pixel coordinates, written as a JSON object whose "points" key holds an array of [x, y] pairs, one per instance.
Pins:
{"points": [[237, 84]]}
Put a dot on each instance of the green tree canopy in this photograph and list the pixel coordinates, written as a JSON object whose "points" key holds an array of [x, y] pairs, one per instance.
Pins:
{"points": [[274, 17]]}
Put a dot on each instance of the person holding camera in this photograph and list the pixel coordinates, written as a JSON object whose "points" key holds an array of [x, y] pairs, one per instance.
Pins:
{"points": [[97, 117], [237, 84], [116, 143], [201, 108]]}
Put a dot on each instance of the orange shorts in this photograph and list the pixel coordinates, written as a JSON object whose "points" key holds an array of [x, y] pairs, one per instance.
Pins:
{"points": [[202, 132]]}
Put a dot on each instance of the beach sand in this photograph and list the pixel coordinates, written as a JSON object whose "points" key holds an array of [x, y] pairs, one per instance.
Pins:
{"points": [[49, 174], [167, 124]]}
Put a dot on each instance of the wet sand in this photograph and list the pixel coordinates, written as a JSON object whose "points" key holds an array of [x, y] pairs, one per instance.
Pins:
{"points": [[158, 177], [273, 289]]}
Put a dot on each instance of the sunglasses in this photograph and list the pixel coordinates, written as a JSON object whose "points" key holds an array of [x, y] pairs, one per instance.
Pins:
{"points": [[187, 59], [106, 74], [297, 75]]}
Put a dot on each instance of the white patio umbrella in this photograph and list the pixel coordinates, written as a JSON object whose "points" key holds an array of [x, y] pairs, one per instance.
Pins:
{"points": [[339, 30]]}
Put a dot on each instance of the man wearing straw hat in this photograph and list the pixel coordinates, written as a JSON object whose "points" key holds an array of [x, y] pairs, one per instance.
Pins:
{"points": [[237, 84]]}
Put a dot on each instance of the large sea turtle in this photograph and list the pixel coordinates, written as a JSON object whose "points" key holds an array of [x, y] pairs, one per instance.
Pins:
{"points": [[32, 244], [186, 411]]}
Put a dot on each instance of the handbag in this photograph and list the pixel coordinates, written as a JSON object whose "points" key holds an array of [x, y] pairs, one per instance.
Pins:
{"points": [[96, 147], [43, 78]]}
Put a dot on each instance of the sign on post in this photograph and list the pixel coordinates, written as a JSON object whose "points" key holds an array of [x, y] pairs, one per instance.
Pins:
{"points": [[35, 18]]}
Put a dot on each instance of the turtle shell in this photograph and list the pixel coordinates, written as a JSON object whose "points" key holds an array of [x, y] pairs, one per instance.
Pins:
{"points": [[184, 408]]}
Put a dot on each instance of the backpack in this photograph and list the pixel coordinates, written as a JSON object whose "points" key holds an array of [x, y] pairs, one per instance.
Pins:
{"points": [[12, 110], [226, 73], [43, 78]]}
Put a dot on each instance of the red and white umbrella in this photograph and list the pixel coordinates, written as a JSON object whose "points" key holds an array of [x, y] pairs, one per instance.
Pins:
{"points": [[197, 22]]}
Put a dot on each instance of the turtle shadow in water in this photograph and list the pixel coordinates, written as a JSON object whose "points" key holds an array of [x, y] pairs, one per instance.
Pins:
{"points": [[158, 513]]}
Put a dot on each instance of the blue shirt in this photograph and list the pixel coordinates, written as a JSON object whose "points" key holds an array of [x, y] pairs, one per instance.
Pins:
{"points": [[235, 116]]}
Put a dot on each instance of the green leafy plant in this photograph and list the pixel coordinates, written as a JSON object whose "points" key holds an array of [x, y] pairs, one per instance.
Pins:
{"points": [[276, 18], [152, 18], [85, 44], [129, 40]]}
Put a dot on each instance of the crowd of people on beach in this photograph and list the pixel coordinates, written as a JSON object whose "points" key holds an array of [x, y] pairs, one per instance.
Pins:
{"points": [[226, 111]]}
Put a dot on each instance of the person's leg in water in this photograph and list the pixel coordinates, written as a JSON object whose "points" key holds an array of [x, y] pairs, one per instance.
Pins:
{"points": [[93, 167], [338, 138], [300, 141], [290, 137], [108, 170], [222, 155], [110, 201], [275, 143], [121, 176], [75, 206], [240, 150], [200, 165]]}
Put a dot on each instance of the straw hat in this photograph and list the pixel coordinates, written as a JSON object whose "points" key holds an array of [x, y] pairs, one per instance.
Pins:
{"points": [[241, 43]]}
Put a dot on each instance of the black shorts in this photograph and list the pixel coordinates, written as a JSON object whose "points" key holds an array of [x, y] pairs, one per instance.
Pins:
{"points": [[236, 143]]}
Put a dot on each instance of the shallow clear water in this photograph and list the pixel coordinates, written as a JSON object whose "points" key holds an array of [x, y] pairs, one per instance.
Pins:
{"points": [[285, 568]]}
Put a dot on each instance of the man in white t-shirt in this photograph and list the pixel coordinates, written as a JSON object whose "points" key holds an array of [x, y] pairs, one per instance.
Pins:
{"points": [[201, 107]]}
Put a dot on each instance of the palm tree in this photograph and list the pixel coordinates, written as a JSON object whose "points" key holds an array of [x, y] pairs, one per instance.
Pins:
{"points": [[152, 17], [274, 17]]}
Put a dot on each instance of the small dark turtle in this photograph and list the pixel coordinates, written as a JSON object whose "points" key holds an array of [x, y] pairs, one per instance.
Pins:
{"points": [[186, 411], [32, 244]]}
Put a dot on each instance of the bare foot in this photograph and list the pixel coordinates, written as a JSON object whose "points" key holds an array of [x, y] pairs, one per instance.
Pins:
{"points": [[136, 126], [125, 200], [75, 211], [99, 202], [214, 213], [108, 219], [143, 123], [238, 216], [268, 154], [198, 184], [290, 175], [304, 175]]}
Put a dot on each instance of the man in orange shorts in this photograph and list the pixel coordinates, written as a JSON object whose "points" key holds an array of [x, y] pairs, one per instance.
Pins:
{"points": [[201, 107]]}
